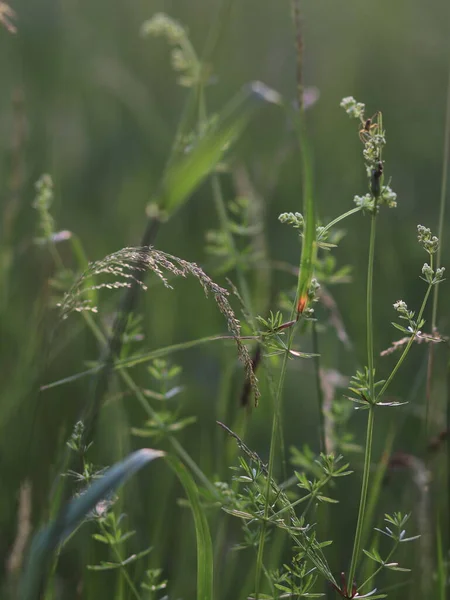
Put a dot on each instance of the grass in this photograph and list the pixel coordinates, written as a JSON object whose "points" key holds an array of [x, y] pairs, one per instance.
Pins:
{"points": [[290, 495]]}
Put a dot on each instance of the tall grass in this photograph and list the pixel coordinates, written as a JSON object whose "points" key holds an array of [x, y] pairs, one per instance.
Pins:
{"points": [[266, 519]]}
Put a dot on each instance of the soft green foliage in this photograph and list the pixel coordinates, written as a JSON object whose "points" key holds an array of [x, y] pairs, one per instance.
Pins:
{"points": [[72, 515], [170, 162]]}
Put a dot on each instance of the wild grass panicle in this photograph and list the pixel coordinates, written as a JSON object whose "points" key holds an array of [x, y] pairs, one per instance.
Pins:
{"points": [[185, 61], [126, 267]]}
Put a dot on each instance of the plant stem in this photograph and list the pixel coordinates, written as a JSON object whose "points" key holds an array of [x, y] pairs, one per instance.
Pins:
{"points": [[315, 344], [370, 420], [119, 559], [273, 441], [341, 218], [369, 306], [444, 182], [407, 348], [375, 573], [363, 500]]}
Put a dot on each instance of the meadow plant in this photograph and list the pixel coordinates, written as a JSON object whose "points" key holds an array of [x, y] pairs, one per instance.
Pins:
{"points": [[286, 519]]}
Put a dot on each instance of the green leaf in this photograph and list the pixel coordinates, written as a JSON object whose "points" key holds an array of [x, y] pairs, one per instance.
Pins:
{"points": [[395, 567], [46, 541], [101, 538], [187, 172], [205, 557], [442, 565], [374, 555], [327, 499], [139, 359], [309, 246], [400, 328]]}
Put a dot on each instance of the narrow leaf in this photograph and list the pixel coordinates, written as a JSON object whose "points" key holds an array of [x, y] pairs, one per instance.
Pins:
{"points": [[50, 537], [185, 174], [205, 564]]}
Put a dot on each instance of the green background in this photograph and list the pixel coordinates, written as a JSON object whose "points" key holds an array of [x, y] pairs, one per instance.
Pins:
{"points": [[97, 106]]}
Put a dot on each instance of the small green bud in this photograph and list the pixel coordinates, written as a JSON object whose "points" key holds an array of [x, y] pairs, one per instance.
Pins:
{"points": [[400, 306], [429, 242], [428, 273], [162, 24], [352, 108], [365, 202], [294, 219], [313, 290], [44, 188], [388, 197], [439, 273], [372, 149]]}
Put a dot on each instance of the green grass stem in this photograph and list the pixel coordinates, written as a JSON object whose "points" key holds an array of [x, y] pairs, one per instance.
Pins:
{"points": [[371, 416]]}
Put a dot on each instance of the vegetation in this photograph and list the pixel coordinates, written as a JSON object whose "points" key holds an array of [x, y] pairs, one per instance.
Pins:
{"points": [[298, 409]]}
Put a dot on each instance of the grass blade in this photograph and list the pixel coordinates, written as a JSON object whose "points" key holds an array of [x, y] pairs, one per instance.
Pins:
{"points": [[48, 539], [441, 564], [205, 556], [186, 173], [132, 361]]}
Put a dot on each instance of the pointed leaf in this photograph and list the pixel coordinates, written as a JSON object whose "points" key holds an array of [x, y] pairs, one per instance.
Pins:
{"points": [[49, 538], [205, 557], [185, 174]]}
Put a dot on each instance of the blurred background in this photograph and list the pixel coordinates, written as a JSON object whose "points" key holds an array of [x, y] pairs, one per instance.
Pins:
{"points": [[87, 99]]}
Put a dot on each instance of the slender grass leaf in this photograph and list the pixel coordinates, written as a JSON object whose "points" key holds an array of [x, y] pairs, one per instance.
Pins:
{"points": [[205, 556], [50, 537], [141, 358], [442, 565], [309, 246], [186, 173]]}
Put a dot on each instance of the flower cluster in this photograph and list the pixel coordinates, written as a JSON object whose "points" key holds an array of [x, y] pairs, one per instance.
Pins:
{"points": [[352, 108], [295, 219], [431, 276], [373, 137], [429, 242]]}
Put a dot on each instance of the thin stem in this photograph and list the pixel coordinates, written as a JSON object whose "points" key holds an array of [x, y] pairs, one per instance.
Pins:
{"points": [[370, 420], [363, 500], [407, 348], [444, 181], [296, 17], [369, 305], [315, 345], [122, 566], [259, 558], [375, 573], [304, 277], [335, 221], [273, 441], [143, 358]]}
